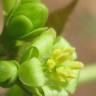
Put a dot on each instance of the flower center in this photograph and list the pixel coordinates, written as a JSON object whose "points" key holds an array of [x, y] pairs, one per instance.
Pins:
{"points": [[63, 65]]}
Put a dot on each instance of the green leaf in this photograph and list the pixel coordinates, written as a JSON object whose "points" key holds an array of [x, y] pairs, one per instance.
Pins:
{"points": [[31, 73], [59, 18]]}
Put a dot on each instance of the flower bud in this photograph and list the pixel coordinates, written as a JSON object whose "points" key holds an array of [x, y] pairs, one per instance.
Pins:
{"points": [[8, 72], [26, 18]]}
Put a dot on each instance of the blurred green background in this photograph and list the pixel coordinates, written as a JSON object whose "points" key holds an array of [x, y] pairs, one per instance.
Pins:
{"points": [[80, 30]]}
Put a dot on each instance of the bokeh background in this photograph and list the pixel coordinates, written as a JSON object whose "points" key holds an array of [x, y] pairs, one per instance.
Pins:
{"points": [[80, 30]]}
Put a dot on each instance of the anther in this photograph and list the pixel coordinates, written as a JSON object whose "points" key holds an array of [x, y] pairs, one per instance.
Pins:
{"points": [[51, 63], [69, 50], [65, 73], [62, 56], [56, 53], [76, 65]]}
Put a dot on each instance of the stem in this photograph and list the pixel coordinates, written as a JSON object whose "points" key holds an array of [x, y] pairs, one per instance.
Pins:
{"points": [[24, 88], [88, 74]]}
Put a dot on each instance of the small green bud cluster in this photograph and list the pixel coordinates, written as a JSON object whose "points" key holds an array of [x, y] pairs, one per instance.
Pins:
{"points": [[23, 16]]}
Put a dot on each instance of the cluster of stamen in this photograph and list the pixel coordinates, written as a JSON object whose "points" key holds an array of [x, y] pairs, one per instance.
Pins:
{"points": [[57, 58]]}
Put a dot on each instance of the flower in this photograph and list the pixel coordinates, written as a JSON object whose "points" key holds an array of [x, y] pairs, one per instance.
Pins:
{"points": [[57, 67]]}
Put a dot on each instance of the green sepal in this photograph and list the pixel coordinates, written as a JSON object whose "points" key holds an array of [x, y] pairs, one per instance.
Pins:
{"points": [[29, 53], [31, 73], [31, 35]]}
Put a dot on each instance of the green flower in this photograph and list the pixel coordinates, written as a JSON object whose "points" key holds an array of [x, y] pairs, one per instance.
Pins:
{"points": [[54, 69], [48, 63]]}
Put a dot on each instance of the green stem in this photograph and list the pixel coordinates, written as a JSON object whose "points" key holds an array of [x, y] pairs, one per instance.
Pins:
{"points": [[88, 74]]}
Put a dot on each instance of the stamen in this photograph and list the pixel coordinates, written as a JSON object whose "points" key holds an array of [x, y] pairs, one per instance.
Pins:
{"points": [[69, 50], [51, 63], [76, 65], [61, 78], [62, 56], [65, 73], [56, 52]]}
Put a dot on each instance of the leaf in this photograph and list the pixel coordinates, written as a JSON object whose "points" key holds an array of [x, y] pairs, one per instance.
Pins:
{"points": [[59, 18]]}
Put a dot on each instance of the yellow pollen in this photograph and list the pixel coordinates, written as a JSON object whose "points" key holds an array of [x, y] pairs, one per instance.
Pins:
{"points": [[51, 63]]}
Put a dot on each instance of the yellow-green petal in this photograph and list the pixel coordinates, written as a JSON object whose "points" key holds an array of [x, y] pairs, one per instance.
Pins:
{"points": [[31, 73]]}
